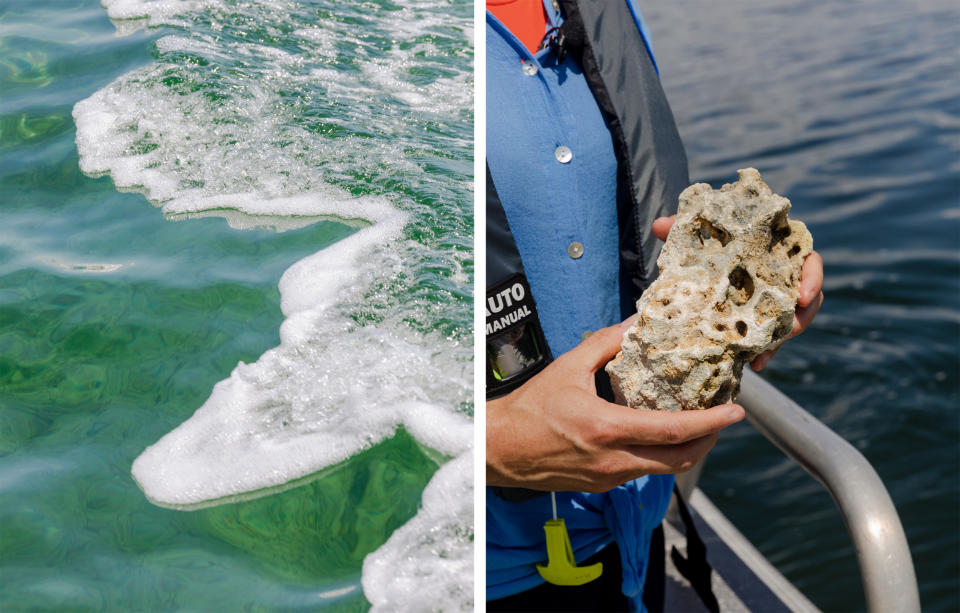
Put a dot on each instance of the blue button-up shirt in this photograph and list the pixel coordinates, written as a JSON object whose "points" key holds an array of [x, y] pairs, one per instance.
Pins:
{"points": [[553, 203], [552, 161]]}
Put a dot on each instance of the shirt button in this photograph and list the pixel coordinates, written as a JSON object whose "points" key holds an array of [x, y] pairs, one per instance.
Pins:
{"points": [[575, 250], [529, 68], [563, 154]]}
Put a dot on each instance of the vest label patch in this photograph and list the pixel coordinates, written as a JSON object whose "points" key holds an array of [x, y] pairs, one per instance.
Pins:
{"points": [[508, 304], [516, 348]]}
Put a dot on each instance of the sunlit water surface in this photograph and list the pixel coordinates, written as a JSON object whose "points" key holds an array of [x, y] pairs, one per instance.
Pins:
{"points": [[310, 165]]}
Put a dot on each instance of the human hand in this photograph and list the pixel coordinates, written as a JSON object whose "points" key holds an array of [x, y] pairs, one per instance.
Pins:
{"points": [[555, 433], [809, 302]]}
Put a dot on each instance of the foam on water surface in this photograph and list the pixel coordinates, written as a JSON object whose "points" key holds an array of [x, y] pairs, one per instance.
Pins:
{"points": [[276, 114], [443, 529]]}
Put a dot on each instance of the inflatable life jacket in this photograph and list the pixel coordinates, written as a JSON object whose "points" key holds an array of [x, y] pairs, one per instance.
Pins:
{"points": [[607, 40]]}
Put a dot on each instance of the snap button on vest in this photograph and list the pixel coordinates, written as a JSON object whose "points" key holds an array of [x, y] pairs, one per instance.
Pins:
{"points": [[563, 154], [575, 250], [529, 68]]}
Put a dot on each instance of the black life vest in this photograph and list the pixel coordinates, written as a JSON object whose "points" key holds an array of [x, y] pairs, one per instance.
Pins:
{"points": [[651, 172]]}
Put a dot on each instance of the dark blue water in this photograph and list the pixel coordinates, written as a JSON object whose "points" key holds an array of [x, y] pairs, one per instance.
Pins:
{"points": [[852, 110]]}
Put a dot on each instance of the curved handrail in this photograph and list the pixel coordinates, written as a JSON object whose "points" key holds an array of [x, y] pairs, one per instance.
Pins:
{"points": [[886, 568]]}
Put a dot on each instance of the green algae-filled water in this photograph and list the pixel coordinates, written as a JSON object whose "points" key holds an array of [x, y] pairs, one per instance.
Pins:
{"points": [[282, 141]]}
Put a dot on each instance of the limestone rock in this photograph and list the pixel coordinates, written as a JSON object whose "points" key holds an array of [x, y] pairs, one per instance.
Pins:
{"points": [[728, 286]]}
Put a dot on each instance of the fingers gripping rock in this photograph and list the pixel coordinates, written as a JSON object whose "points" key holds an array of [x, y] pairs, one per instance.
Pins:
{"points": [[728, 286]]}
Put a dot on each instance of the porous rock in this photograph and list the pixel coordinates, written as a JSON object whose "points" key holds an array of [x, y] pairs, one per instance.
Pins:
{"points": [[728, 286]]}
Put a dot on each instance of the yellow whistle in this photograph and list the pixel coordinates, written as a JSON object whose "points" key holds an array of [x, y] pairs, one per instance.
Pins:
{"points": [[561, 568]]}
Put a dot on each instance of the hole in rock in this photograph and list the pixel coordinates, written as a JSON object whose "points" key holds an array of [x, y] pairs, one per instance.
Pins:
{"points": [[765, 308], [720, 327], [707, 230], [722, 395], [741, 328], [779, 230], [782, 331], [741, 285], [794, 251]]}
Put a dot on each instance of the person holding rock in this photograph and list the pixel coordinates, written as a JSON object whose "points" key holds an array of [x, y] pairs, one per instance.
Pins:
{"points": [[584, 167]]}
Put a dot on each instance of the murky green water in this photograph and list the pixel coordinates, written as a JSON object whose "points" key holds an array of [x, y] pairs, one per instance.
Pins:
{"points": [[116, 321]]}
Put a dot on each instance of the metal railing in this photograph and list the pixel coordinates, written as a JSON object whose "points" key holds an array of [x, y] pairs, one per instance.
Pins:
{"points": [[886, 568]]}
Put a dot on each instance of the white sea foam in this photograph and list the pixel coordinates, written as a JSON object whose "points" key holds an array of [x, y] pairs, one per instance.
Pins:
{"points": [[331, 389], [337, 593], [443, 529], [65, 265], [323, 126], [157, 11]]}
